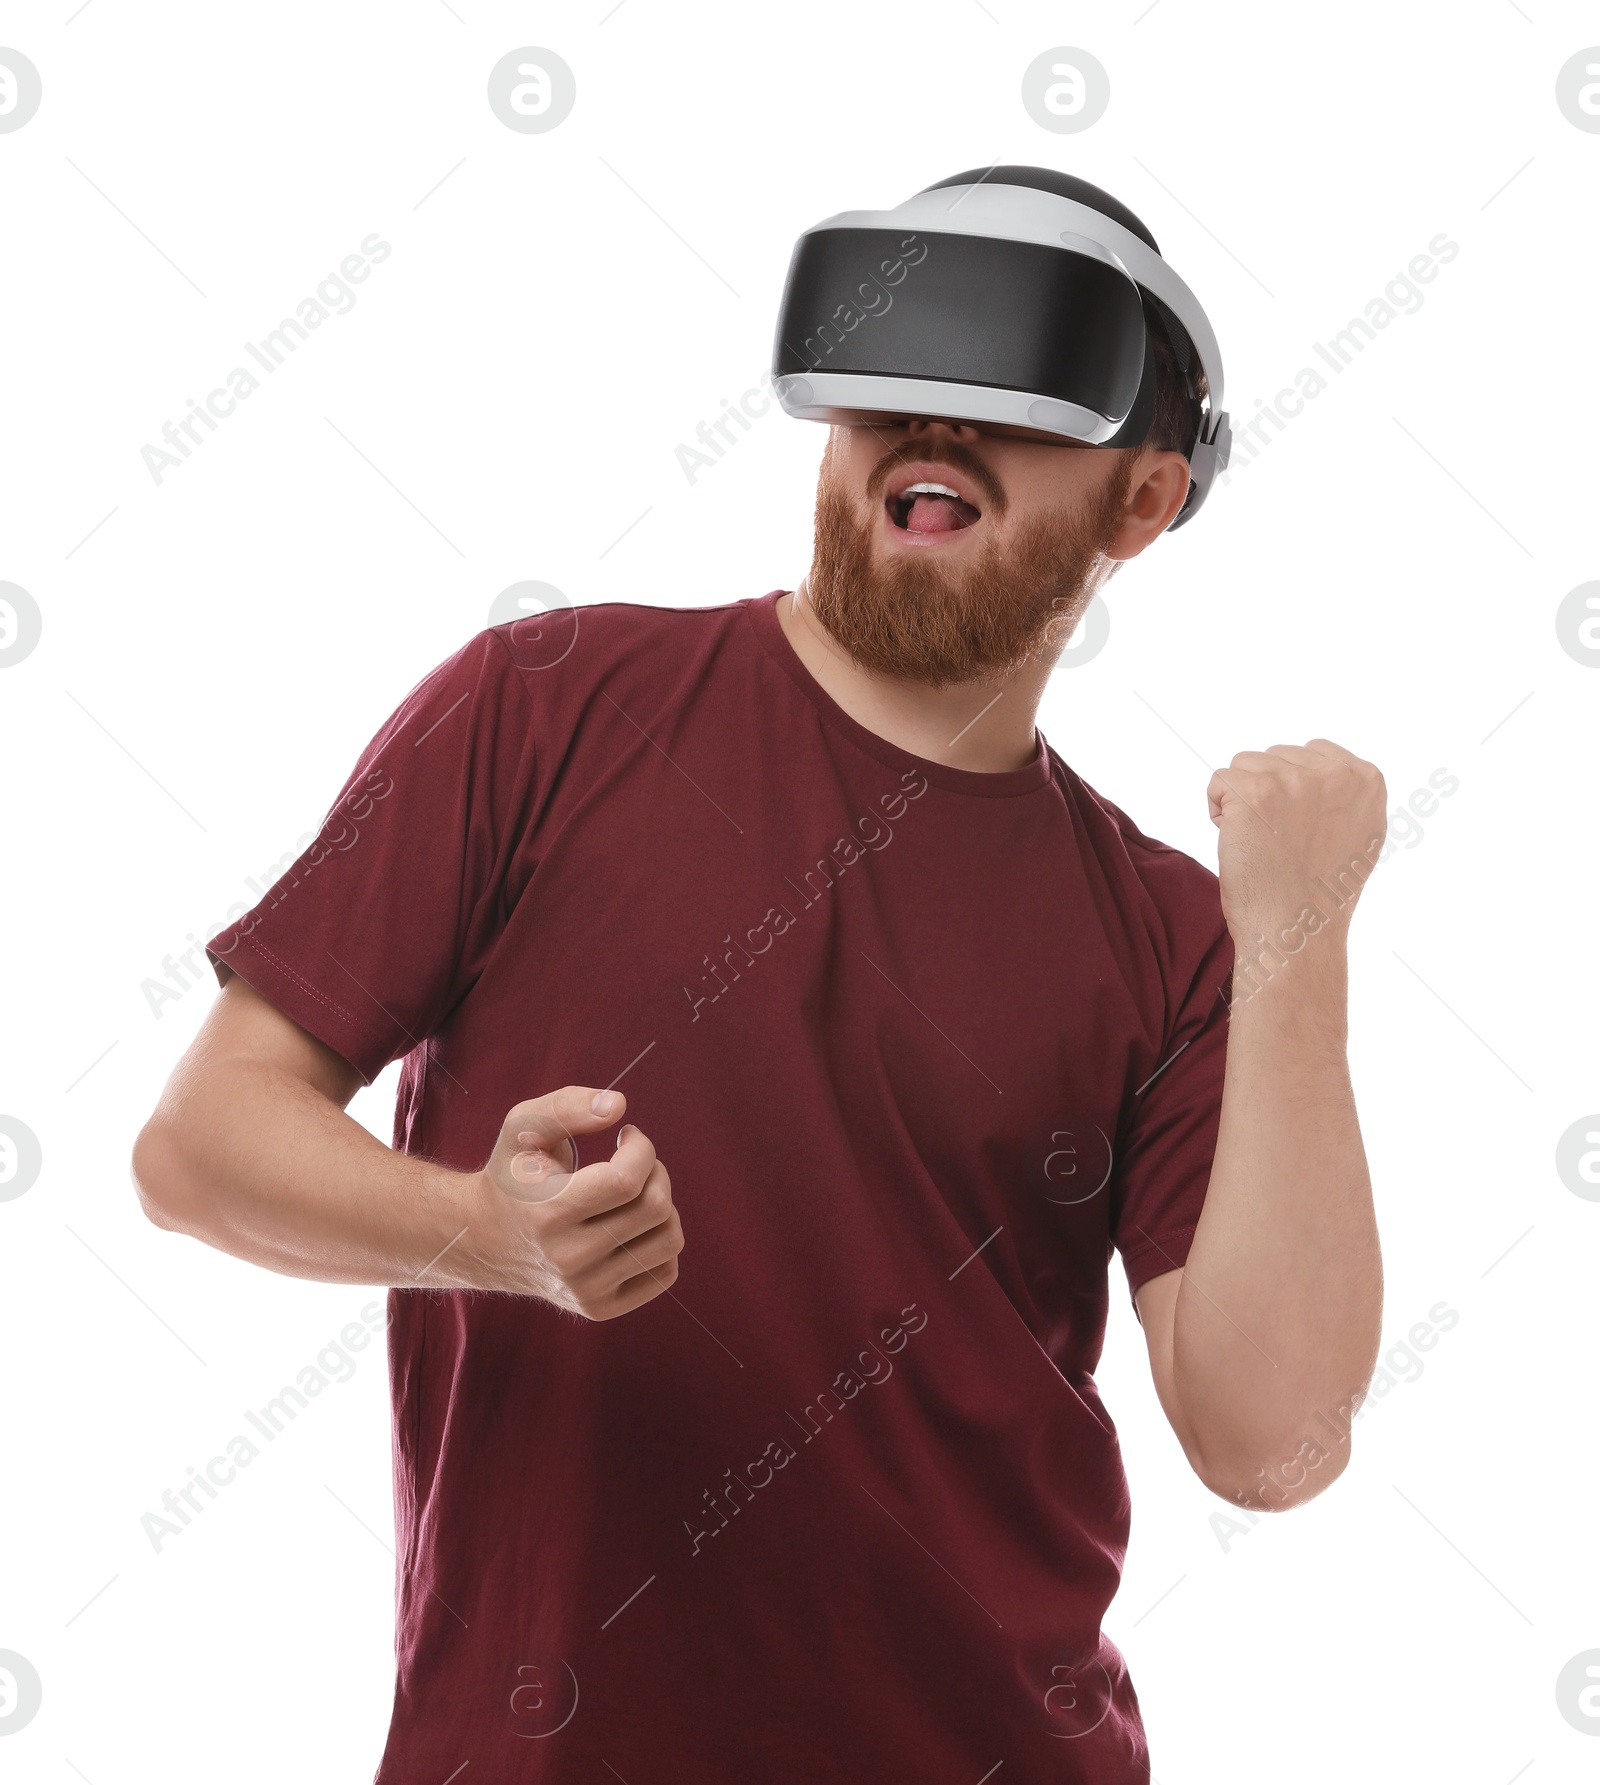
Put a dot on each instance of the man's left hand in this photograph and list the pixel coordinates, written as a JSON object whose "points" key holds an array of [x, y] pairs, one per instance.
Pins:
{"points": [[1295, 822]]}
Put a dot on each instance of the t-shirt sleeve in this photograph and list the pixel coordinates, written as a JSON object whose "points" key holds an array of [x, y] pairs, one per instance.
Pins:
{"points": [[380, 926], [1169, 1136]]}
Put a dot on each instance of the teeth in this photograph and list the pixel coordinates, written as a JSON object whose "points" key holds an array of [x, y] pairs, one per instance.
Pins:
{"points": [[931, 489]]}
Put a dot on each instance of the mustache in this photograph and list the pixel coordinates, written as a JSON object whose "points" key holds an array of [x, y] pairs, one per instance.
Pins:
{"points": [[939, 452]]}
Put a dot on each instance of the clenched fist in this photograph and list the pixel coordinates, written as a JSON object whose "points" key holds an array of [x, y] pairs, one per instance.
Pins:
{"points": [[597, 1240], [1300, 829]]}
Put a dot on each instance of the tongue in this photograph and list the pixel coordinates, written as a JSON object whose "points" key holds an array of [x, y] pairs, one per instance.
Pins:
{"points": [[935, 514]]}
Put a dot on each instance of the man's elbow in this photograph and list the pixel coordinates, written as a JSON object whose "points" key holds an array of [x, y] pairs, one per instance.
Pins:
{"points": [[1291, 1476], [160, 1177]]}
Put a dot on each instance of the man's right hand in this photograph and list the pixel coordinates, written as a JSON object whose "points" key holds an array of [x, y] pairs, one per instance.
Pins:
{"points": [[251, 1149], [598, 1240]]}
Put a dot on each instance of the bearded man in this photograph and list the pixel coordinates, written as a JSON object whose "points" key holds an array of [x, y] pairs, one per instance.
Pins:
{"points": [[792, 1465]]}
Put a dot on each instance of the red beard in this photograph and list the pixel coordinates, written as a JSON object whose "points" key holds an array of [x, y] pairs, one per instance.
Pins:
{"points": [[939, 624]]}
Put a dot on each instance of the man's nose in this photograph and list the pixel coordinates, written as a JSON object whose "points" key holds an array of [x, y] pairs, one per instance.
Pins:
{"points": [[922, 426]]}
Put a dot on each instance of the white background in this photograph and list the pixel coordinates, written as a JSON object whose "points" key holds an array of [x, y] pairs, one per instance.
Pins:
{"points": [[554, 320]]}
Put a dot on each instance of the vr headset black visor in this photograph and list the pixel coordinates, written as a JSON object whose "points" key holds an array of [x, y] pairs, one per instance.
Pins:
{"points": [[1022, 307]]}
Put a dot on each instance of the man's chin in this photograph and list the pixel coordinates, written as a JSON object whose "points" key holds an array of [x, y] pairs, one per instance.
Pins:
{"points": [[927, 622], [954, 611]]}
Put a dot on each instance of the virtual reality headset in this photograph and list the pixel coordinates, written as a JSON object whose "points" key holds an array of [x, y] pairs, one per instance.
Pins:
{"points": [[1016, 298]]}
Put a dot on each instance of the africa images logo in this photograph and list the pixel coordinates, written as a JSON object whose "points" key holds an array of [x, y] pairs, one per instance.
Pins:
{"points": [[332, 297], [869, 1367], [872, 832]]}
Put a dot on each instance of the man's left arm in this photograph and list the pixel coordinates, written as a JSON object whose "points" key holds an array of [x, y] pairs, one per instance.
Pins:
{"points": [[1263, 1343]]}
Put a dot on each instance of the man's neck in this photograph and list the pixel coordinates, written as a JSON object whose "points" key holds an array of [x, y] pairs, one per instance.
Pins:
{"points": [[987, 727]]}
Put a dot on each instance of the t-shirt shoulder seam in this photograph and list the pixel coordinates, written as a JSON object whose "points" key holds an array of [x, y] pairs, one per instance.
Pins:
{"points": [[1125, 825], [628, 607], [498, 633], [495, 632]]}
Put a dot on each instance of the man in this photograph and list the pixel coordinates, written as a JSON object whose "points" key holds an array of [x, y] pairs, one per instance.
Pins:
{"points": [[791, 1465]]}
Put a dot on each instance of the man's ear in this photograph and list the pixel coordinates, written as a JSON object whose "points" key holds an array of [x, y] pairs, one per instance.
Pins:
{"points": [[1155, 494]]}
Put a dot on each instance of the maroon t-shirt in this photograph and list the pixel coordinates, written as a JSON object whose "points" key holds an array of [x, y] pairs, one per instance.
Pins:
{"points": [[919, 1046]]}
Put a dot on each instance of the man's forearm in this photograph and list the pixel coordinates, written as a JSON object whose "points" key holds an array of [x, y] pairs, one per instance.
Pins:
{"points": [[255, 1162], [250, 1150], [1276, 1324]]}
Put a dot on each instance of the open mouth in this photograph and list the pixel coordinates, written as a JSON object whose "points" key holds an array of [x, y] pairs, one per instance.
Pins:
{"points": [[926, 508]]}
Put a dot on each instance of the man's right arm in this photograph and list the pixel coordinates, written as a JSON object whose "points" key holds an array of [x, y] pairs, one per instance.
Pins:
{"points": [[250, 1149]]}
